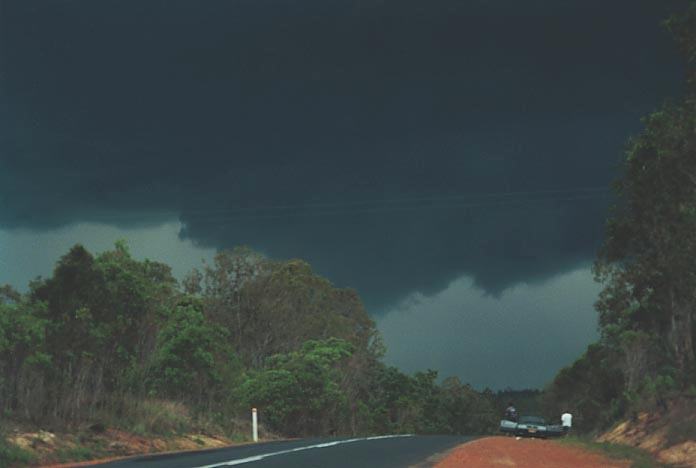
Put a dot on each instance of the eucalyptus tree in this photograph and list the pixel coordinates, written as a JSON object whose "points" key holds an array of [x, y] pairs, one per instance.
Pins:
{"points": [[648, 260], [272, 307], [101, 315]]}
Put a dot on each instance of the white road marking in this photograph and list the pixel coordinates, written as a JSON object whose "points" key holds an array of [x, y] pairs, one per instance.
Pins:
{"points": [[254, 458]]}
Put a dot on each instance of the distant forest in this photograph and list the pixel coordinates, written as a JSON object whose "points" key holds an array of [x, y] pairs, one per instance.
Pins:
{"points": [[108, 339]]}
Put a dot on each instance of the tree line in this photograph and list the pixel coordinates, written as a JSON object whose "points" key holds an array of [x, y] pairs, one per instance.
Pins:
{"points": [[105, 331], [645, 358]]}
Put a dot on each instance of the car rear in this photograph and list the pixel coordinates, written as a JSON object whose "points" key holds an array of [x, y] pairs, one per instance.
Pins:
{"points": [[531, 427]]}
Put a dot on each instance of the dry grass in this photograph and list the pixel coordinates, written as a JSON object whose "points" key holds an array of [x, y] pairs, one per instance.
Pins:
{"points": [[126, 426], [638, 458], [147, 417]]}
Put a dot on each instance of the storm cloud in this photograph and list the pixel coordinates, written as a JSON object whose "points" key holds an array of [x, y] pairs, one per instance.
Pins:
{"points": [[520, 338], [395, 144]]}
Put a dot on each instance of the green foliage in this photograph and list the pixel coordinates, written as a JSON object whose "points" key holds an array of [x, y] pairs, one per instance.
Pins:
{"points": [[465, 410], [192, 359], [78, 335], [11, 455], [100, 317], [300, 393], [112, 340], [21, 328], [645, 263], [305, 392], [681, 431], [273, 307], [77, 453], [22, 335], [683, 28], [647, 352], [590, 389], [417, 404]]}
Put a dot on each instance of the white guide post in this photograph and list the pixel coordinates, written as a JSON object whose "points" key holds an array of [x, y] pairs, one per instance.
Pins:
{"points": [[254, 424]]}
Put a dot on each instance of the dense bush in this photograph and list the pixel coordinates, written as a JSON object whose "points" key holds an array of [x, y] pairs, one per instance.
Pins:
{"points": [[192, 360], [114, 340]]}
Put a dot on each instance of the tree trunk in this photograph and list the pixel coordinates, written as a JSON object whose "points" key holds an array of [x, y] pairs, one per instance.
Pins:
{"points": [[637, 363], [680, 334]]}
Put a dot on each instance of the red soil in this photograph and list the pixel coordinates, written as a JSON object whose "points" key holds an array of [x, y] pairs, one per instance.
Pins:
{"points": [[496, 452]]}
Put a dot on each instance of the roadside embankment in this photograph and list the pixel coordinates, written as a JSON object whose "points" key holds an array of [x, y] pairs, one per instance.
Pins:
{"points": [[41, 448], [669, 436]]}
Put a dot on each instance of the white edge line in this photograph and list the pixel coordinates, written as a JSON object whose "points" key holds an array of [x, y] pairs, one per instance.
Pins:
{"points": [[260, 457]]}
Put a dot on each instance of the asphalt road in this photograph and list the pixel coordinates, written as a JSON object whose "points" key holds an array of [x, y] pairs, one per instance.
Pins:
{"points": [[389, 452]]}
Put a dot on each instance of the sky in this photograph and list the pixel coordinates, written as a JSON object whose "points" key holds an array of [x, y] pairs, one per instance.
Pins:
{"points": [[518, 340], [450, 160]]}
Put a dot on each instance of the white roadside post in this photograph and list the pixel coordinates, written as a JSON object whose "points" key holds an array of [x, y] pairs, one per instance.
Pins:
{"points": [[255, 424]]}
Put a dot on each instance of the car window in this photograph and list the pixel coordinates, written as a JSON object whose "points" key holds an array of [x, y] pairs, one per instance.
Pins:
{"points": [[532, 420]]}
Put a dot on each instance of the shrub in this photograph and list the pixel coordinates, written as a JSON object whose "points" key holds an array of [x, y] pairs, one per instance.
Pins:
{"points": [[11, 455], [149, 416]]}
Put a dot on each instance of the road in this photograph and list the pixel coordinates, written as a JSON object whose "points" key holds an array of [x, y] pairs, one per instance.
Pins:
{"points": [[381, 452]]}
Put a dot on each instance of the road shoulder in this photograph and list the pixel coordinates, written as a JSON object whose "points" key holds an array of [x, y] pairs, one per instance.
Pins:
{"points": [[513, 452]]}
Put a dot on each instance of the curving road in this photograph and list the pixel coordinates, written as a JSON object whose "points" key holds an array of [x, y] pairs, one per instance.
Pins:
{"points": [[378, 452]]}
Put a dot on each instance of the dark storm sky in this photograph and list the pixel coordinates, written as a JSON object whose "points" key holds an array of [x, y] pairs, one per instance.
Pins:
{"points": [[395, 144]]}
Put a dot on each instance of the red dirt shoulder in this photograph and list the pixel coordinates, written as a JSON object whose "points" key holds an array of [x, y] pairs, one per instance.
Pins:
{"points": [[496, 452]]}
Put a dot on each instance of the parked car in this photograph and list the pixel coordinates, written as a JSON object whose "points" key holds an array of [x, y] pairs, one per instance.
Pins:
{"points": [[530, 426]]}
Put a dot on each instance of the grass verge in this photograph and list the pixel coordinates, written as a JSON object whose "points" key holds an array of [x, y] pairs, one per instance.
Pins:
{"points": [[76, 454], [638, 458], [11, 455], [129, 426]]}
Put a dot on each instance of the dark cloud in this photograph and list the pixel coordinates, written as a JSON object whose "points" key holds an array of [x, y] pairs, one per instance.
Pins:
{"points": [[361, 135], [521, 338]]}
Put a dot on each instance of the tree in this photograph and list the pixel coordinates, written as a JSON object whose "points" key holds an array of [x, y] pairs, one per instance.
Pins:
{"points": [[683, 28], [466, 410], [273, 307], [101, 315], [592, 388], [193, 360], [222, 287], [22, 335], [647, 258], [299, 393], [646, 262]]}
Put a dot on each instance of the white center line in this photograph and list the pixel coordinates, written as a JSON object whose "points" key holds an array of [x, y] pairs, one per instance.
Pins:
{"points": [[255, 458]]}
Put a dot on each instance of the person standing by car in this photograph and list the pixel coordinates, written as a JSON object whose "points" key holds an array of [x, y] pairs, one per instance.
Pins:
{"points": [[566, 421], [511, 412]]}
